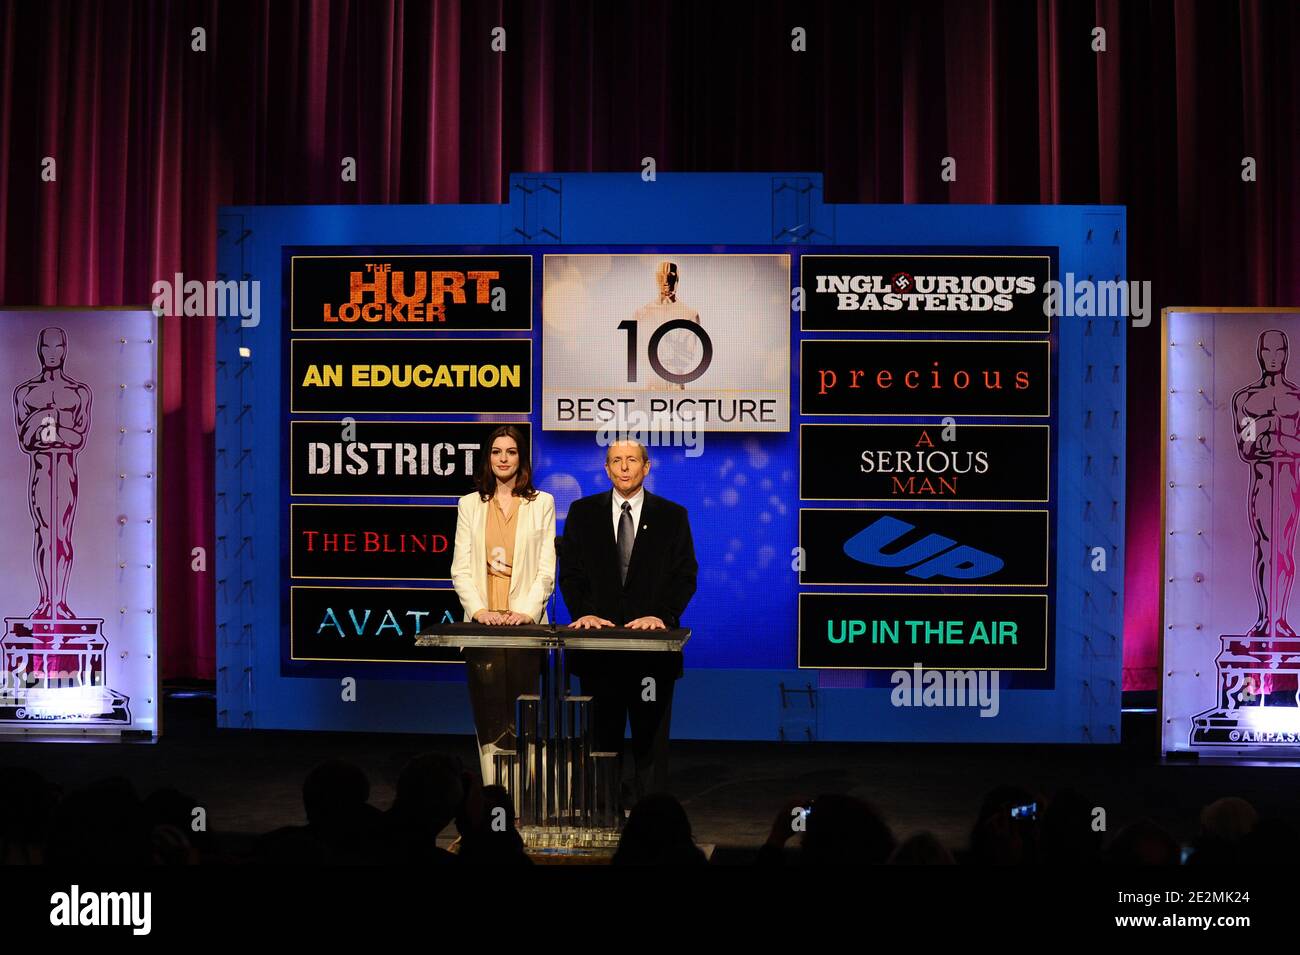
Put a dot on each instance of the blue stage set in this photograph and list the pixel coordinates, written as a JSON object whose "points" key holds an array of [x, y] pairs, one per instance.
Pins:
{"points": [[743, 680]]}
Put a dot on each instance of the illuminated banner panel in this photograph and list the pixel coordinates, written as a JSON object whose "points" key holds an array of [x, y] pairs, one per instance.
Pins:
{"points": [[371, 541], [924, 377], [411, 375], [922, 462], [925, 293], [937, 631], [394, 293], [79, 470], [666, 341], [369, 624], [1231, 484], [616, 264], [386, 458], [920, 547]]}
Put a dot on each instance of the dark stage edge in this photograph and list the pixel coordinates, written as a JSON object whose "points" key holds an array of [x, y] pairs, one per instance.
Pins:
{"points": [[250, 781]]}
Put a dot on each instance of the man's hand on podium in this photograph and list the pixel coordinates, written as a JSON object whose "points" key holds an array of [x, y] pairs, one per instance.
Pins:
{"points": [[646, 623], [591, 622]]}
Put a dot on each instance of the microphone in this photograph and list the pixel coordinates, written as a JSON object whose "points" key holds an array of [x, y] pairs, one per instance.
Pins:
{"points": [[559, 542]]}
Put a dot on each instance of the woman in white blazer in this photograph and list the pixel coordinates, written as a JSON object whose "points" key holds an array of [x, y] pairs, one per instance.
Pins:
{"points": [[503, 569]]}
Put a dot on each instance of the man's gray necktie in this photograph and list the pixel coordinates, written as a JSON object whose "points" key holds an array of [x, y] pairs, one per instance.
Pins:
{"points": [[625, 539]]}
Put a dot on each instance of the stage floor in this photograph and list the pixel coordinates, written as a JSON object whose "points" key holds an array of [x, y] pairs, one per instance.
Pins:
{"points": [[251, 781]]}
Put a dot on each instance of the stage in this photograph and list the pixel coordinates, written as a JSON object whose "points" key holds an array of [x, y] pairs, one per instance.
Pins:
{"points": [[250, 782]]}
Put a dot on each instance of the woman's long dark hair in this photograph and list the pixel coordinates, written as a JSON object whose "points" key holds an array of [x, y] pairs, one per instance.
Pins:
{"points": [[485, 482]]}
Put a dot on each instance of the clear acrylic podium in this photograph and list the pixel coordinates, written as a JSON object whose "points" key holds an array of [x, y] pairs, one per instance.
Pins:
{"points": [[565, 792]]}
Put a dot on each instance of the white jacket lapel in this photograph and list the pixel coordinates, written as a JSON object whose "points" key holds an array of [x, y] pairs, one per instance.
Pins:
{"points": [[480, 547]]}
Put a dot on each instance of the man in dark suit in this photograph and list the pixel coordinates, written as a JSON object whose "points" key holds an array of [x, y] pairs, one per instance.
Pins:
{"points": [[627, 560]]}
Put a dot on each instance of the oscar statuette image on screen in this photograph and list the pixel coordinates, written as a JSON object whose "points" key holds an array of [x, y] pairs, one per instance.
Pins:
{"points": [[669, 340]]}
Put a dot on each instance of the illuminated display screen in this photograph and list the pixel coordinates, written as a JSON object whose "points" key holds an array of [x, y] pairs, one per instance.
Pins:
{"points": [[387, 293], [416, 376], [385, 458], [670, 339], [879, 462], [906, 450], [935, 505], [937, 293]]}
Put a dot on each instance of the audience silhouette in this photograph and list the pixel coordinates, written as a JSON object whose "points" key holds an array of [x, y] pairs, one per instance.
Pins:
{"points": [[657, 832], [107, 823]]}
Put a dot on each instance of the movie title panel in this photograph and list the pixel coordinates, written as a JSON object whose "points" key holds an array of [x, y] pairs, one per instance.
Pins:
{"points": [[922, 462], [386, 458], [369, 624], [936, 631], [924, 377], [371, 541], [666, 342], [389, 293], [924, 547], [411, 375], [925, 293]]}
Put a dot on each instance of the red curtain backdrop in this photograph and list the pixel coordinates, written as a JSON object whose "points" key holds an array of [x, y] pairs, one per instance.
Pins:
{"points": [[151, 136]]}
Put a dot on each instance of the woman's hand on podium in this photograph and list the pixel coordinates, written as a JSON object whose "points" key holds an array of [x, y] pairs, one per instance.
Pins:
{"points": [[490, 617], [514, 619]]}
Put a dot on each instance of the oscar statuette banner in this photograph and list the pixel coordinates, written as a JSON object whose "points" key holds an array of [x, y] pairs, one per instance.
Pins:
{"points": [[1232, 501], [78, 651]]}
